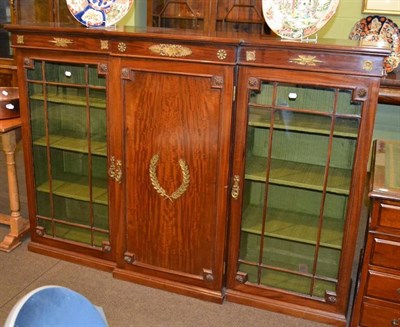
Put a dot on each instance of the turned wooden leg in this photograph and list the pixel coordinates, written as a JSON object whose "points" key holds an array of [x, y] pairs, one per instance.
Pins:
{"points": [[18, 225]]}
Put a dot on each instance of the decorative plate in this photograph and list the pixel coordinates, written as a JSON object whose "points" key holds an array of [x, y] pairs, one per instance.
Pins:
{"points": [[99, 13], [295, 19], [380, 28]]}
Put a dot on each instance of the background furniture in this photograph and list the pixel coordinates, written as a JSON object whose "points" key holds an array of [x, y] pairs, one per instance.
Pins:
{"points": [[8, 73], [9, 134], [389, 92], [378, 297]]}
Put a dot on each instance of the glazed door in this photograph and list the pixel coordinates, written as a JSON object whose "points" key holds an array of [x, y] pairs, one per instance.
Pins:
{"points": [[67, 149], [177, 125], [42, 11], [211, 15], [297, 186]]}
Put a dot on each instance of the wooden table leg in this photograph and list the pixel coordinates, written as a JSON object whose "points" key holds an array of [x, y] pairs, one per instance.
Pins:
{"points": [[18, 225]]}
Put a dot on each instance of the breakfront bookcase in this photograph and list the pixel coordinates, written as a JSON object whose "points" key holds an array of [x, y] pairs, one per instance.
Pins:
{"points": [[216, 165]]}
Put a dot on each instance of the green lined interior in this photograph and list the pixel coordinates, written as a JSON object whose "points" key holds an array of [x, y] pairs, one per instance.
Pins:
{"points": [[69, 133], [300, 148]]}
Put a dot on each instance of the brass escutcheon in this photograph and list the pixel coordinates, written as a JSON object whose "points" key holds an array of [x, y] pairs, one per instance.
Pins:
{"points": [[115, 169], [235, 188]]}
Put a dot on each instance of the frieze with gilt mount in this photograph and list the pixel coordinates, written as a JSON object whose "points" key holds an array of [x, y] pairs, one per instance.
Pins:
{"points": [[61, 42], [306, 60], [171, 50]]}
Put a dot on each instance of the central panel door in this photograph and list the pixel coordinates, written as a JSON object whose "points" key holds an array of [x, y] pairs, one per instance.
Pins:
{"points": [[176, 157]]}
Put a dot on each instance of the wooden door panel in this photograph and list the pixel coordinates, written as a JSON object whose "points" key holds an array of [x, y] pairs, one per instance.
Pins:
{"points": [[172, 156]]}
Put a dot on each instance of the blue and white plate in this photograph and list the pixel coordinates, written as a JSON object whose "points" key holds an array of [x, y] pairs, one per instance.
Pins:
{"points": [[99, 13]]}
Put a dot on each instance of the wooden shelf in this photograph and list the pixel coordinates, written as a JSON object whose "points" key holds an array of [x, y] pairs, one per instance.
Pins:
{"points": [[293, 226], [315, 124], [81, 234], [73, 144], [71, 100], [77, 188], [297, 174], [290, 282]]}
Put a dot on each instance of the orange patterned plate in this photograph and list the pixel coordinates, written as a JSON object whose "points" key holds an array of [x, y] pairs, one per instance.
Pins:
{"points": [[379, 28], [295, 19]]}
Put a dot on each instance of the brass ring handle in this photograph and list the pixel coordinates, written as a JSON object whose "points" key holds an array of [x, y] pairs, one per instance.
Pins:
{"points": [[156, 184], [396, 322]]}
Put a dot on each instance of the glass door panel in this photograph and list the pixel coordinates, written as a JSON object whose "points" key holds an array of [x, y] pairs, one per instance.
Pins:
{"points": [[183, 14], [300, 149], [68, 128]]}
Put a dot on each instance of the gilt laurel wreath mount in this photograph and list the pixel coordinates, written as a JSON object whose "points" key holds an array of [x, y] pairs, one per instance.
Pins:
{"points": [[156, 184]]}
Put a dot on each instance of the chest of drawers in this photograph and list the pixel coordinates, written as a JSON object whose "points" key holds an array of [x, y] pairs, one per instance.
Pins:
{"points": [[378, 299]]}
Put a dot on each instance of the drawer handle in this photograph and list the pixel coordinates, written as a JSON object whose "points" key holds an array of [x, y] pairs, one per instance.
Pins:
{"points": [[398, 291], [396, 322], [68, 74]]}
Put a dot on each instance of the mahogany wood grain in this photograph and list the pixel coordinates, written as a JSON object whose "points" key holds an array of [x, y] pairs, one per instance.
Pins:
{"points": [[177, 113]]}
